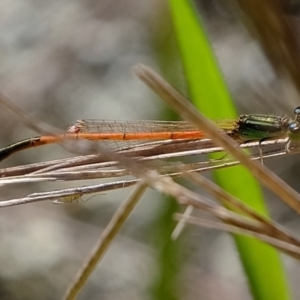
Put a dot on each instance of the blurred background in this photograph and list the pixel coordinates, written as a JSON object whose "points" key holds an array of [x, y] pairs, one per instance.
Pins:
{"points": [[67, 60]]}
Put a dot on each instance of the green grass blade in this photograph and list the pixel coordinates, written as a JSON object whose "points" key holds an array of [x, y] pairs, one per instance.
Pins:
{"points": [[209, 93]]}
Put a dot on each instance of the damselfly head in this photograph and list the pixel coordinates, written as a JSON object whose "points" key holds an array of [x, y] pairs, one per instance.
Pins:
{"points": [[294, 131], [297, 113]]}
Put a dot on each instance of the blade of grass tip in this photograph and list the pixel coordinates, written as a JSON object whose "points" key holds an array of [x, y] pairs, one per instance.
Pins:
{"points": [[178, 102], [181, 223], [209, 93], [106, 238]]}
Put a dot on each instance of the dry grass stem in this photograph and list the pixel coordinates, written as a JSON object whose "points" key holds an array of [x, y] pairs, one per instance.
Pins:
{"points": [[288, 248], [106, 238]]}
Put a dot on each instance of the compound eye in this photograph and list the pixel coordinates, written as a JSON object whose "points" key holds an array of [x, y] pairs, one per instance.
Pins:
{"points": [[297, 111], [294, 128], [294, 131]]}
